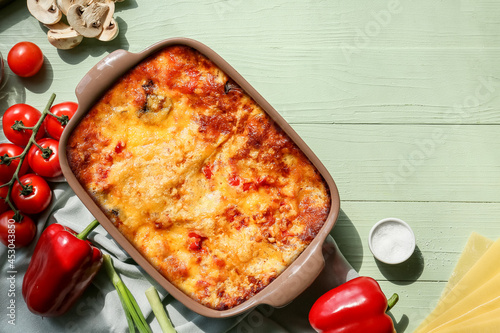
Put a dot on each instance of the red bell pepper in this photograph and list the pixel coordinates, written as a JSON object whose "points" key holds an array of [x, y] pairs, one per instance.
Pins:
{"points": [[62, 266], [357, 306]]}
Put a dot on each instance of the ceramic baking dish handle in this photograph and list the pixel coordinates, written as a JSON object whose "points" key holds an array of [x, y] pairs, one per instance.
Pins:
{"points": [[337, 268], [104, 73], [328, 260], [296, 281]]}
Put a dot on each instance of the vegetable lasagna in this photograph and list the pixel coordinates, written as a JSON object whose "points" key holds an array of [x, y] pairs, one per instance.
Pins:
{"points": [[207, 187]]}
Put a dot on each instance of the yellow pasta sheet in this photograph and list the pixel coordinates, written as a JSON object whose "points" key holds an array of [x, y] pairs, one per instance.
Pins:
{"points": [[482, 300], [474, 249], [488, 322], [477, 265]]}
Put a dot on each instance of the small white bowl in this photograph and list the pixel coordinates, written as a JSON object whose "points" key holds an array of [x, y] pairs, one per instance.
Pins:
{"points": [[391, 241]]}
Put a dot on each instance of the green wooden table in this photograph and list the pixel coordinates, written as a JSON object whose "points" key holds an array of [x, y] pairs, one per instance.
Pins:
{"points": [[399, 99]]}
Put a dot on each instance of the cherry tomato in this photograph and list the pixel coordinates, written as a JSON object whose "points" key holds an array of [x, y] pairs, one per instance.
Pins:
{"points": [[53, 125], [25, 59], [20, 233], [7, 169], [45, 163], [34, 196], [3, 194], [26, 114]]}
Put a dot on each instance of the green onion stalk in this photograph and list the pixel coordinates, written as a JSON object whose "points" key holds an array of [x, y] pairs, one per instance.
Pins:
{"points": [[135, 317], [159, 311]]}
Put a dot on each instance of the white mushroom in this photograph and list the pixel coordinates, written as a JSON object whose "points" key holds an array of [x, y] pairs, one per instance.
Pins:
{"points": [[63, 36], [88, 20], [65, 4], [45, 11], [110, 27], [109, 32]]}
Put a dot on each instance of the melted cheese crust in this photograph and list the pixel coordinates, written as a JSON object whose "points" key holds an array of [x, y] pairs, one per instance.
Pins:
{"points": [[198, 178]]}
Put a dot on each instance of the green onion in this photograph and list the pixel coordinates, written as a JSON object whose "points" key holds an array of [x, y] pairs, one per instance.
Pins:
{"points": [[134, 315], [159, 310]]}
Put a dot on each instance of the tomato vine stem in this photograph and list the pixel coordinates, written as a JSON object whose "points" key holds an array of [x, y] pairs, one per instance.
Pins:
{"points": [[63, 120], [19, 126], [46, 152], [17, 214]]}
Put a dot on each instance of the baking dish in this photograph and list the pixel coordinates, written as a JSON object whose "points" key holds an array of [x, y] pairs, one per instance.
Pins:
{"points": [[297, 277]]}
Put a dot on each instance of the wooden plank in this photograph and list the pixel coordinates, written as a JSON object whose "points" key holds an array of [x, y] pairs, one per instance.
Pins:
{"points": [[295, 55], [409, 162], [441, 230]]}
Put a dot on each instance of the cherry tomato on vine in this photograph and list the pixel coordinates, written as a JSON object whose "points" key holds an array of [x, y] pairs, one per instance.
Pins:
{"points": [[25, 59], [21, 114], [7, 168], [18, 233], [53, 125], [34, 196], [3, 194], [45, 162]]}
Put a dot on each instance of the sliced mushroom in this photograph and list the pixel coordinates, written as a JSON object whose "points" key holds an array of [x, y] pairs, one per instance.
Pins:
{"points": [[63, 36], [110, 27], [88, 20], [65, 4], [109, 32], [45, 11]]}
